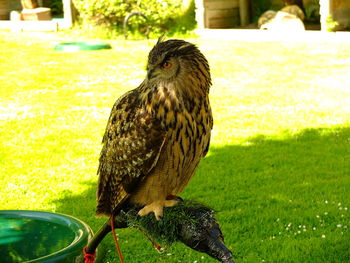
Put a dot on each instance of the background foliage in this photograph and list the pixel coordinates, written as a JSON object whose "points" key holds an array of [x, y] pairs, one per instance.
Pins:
{"points": [[56, 7], [163, 15]]}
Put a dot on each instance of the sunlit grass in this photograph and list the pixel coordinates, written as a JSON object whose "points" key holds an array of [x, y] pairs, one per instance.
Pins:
{"points": [[278, 170]]}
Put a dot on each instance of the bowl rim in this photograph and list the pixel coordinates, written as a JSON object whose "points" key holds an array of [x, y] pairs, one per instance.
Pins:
{"points": [[81, 230]]}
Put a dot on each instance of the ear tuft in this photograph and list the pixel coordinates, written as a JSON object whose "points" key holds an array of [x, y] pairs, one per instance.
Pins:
{"points": [[161, 38]]}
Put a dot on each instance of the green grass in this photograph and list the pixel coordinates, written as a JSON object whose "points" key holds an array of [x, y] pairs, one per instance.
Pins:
{"points": [[278, 169]]}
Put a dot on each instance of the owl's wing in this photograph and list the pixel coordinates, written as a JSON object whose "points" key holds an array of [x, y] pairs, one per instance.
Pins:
{"points": [[131, 148], [211, 123]]}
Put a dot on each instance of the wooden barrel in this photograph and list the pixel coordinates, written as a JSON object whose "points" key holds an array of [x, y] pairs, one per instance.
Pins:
{"points": [[15, 5], [4, 9], [221, 13]]}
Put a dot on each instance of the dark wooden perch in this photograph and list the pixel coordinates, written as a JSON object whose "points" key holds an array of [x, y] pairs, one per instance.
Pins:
{"points": [[188, 222]]}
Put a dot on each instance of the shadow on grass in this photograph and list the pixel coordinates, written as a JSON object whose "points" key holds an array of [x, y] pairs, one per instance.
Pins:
{"points": [[262, 186], [308, 158], [267, 183]]}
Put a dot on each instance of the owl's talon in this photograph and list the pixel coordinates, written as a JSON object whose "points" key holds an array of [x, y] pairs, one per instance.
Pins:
{"points": [[154, 207], [157, 208], [170, 203]]}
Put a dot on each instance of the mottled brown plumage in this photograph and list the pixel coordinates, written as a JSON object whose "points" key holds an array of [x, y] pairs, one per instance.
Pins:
{"points": [[157, 133]]}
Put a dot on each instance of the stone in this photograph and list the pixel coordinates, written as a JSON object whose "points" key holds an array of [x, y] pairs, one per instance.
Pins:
{"points": [[294, 10], [266, 17], [284, 22]]}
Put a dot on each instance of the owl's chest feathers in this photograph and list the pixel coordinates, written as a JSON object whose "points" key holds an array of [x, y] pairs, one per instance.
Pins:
{"points": [[185, 118], [187, 123], [176, 111]]}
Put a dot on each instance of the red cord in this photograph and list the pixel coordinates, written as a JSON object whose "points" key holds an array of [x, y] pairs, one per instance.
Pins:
{"points": [[89, 258], [116, 240]]}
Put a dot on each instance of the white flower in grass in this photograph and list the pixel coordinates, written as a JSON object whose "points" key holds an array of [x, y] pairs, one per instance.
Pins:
{"points": [[314, 228], [339, 225], [323, 236], [326, 202], [325, 213]]}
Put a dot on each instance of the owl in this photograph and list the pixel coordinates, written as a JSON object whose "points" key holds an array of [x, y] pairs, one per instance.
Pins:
{"points": [[157, 134]]}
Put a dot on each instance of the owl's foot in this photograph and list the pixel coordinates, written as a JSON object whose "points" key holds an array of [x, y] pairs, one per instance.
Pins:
{"points": [[157, 208]]}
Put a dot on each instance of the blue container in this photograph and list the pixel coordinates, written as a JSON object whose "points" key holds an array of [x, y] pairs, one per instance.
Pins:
{"points": [[32, 237], [82, 46]]}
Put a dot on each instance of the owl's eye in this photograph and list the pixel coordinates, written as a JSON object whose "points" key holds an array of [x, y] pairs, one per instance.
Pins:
{"points": [[166, 65]]}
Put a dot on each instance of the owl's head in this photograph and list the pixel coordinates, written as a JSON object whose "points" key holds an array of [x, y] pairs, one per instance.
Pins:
{"points": [[178, 61]]}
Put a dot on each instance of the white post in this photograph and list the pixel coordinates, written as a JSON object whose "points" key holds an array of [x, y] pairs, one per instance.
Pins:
{"points": [[199, 4], [67, 13], [325, 12]]}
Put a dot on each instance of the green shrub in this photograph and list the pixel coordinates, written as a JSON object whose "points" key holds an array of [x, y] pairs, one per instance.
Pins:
{"points": [[56, 7], [259, 7], [162, 15]]}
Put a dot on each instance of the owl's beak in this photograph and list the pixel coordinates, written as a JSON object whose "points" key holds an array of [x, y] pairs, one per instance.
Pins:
{"points": [[150, 73]]}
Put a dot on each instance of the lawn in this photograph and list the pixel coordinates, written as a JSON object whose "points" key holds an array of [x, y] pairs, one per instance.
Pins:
{"points": [[278, 169]]}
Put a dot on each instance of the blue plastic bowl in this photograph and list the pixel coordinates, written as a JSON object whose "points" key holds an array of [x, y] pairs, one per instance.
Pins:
{"points": [[32, 236]]}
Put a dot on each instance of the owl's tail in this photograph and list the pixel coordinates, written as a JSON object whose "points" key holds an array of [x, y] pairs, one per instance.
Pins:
{"points": [[109, 204]]}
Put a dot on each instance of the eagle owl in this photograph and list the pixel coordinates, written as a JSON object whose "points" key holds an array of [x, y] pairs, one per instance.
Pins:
{"points": [[157, 134]]}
